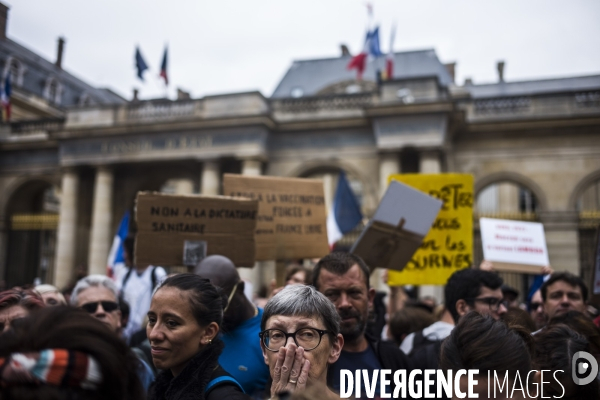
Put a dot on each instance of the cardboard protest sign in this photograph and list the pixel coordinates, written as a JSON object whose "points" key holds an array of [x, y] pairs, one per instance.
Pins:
{"points": [[291, 219], [181, 230], [448, 246], [515, 246], [396, 231]]}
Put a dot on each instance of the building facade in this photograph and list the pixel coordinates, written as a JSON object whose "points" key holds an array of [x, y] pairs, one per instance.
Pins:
{"points": [[66, 179]]}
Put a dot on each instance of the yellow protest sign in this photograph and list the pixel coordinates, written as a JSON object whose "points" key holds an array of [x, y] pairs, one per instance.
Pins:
{"points": [[448, 246]]}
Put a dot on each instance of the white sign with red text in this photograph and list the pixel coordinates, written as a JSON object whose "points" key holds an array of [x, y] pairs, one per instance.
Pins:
{"points": [[519, 243]]}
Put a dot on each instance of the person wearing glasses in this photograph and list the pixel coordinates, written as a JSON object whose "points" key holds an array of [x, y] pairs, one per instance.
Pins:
{"points": [[98, 295], [536, 310], [466, 290], [300, 338], [184, 320], [242, 356]]}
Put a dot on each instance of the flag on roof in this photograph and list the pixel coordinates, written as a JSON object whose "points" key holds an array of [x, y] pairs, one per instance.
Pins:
{"points": [[163, 68], [5, 98], [370, 48], [116, 256], [389, 59], [140, 64], [345, 212]]}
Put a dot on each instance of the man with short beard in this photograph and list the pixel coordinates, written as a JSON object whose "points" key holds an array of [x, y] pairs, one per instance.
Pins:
{"points": [[344, 279]]}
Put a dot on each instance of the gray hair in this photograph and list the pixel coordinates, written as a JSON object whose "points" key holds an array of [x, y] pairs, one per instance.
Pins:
{"points": [[94, 281], [304, 301]]}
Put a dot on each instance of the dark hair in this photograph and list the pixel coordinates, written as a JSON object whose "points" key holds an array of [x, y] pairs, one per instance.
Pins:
{"points": [[554, 349], [339, 263], [129, 245], [409, 320], [567, 277], [69, 328], [292, 269], [467, 284], [480, 342], [206, 300], [581, 324], [26, 298], [515, 316]]}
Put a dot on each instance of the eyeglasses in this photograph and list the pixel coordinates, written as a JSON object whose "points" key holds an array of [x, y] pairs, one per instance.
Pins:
{"points": [[107, 306], [307, 338], [493, 303]]}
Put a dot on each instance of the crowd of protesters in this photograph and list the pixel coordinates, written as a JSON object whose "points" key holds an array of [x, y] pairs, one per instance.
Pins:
{"points": [[147, 335]]}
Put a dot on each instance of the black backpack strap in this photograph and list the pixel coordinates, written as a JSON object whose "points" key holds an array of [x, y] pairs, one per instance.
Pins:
{"points": [[126, 278]]}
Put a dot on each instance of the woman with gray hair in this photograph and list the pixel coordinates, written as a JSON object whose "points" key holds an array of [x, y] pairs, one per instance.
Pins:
{"points": [[300, 337]]}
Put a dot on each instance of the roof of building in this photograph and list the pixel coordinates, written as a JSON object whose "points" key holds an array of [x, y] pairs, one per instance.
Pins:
{"points": [[39, 70], [535, 87], [308, 77]]}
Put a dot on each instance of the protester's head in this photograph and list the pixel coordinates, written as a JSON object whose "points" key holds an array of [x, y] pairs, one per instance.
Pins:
{"points": [[536, 310], [511, 295], [222, 273], [344, 279], [51, 295], [128, 250], [300, 316], [516, 316], [582, 324], [99, 296], [483, 343], [474, 290], [555, 346], [408, 320], [72, 336], [184, 318], [297, 274], [563, 292], [16, 304]]}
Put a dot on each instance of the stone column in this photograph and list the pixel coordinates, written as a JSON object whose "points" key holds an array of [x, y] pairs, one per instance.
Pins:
{"points": [[252, 167], [184, 186], [389, 163], [255, 275], [100, 235], [430, 163], [210, 181], [67, 227]]}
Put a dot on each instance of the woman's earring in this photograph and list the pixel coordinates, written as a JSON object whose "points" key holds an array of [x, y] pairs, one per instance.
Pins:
{"points": [[209, 341]]}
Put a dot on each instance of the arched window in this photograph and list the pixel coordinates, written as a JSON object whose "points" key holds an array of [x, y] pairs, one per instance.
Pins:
{"points": [[16, 69], [53, 90], [507, 200]]}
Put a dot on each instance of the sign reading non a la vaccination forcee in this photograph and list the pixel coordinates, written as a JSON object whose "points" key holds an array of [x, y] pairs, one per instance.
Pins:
{"points": [[291, 220], [513, 242]]}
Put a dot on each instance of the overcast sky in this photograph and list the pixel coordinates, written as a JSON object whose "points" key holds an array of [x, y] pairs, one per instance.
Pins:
{"points": [[226, 46]]}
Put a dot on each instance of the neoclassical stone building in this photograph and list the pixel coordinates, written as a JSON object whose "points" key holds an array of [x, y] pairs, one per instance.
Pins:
{"points": [[533, 148]]}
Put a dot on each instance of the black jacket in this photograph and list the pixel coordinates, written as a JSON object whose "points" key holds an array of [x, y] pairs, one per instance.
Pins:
{"points": [[390, 357], [192, 382]]}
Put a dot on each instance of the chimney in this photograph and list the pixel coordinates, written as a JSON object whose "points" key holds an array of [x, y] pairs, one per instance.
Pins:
{"points": [[468, 81], [135, 96], [451, 68], [3, 20], [345, 51], [59, 53], [500, 67], [183, 95]]}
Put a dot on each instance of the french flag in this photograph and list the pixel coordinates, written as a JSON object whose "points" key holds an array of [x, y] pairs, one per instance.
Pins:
{"points": [[116, 257], [163, 68], [345, 212], [370, 48]]}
